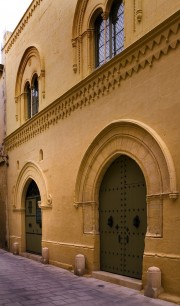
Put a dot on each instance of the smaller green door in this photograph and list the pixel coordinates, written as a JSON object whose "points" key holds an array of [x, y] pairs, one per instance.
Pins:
{"points": [[33, 220]]}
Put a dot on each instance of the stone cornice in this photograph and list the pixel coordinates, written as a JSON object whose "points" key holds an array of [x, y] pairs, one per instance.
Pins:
{"points": [[21, 25], [141, 54], [172, 195]]}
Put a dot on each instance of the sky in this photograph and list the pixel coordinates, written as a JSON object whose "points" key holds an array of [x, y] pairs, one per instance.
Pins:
{"points": [[11, 12]]}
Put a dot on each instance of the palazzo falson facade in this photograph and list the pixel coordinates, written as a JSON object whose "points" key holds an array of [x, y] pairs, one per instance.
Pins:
{"points": [[90, 100]]}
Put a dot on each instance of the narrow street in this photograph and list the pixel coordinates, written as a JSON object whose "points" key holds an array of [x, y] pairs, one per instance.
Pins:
{"points": [[27, 282]]}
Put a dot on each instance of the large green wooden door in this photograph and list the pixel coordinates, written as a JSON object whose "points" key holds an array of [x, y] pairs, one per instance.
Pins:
{"points": [[33, 220], [123, 218]]}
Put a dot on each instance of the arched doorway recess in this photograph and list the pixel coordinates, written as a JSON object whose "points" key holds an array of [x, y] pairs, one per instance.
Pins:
{"points": [[33, 219], [142, 144], [30, 172], [122, 218]]}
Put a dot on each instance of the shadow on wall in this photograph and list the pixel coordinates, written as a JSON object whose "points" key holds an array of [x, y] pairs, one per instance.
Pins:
{"points": [[3, 193]]}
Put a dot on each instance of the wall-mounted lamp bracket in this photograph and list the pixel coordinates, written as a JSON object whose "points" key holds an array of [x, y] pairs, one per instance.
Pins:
{"points": [[4, 159]]}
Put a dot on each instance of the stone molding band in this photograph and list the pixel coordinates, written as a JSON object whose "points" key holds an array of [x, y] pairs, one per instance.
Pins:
{"points": [[172, 196], [139, 55], [20, 27]]}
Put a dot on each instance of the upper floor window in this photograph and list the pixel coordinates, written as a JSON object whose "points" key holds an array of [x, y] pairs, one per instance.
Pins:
{"points": [[28, 99], [30, 85], [35, 96], [109, 34], [32, 97]]}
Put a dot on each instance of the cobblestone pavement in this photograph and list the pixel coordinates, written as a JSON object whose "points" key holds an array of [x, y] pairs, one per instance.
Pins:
{"points": [[27, 282]]}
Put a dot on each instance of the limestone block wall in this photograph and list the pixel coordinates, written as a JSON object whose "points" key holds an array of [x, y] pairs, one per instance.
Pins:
{"points": [[47, 27], [140, 17], [129, 106], [3, 211], [2, 104], [70, 225], [62, 35], [3, 179]]}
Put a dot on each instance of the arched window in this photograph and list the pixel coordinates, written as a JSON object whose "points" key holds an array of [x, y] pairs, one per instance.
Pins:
{"points": [[30, 85], [28, 99], [31, 98], [109, 34], [35, 96]]}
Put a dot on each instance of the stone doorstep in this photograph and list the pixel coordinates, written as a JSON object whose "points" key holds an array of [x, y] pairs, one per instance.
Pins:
{"points": [[125, 281]]}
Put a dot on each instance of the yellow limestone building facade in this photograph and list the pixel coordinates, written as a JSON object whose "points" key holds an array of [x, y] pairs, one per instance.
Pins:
{"points": [[92, 125], [3, 165]]}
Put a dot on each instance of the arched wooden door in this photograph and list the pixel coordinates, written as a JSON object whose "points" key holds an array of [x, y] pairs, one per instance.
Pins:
{"points": [[123, 218], [33, 220]]}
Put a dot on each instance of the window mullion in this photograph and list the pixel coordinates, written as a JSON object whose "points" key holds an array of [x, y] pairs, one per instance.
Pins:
{"points": [[109, 33], [31, 101], [105, 31], [110, 38]]}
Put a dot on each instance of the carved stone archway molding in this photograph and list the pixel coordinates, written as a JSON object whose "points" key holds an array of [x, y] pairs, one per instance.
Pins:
{"points": [[28, 54], [31, 53], [77, 32], [143, 144], [83, 31], [31, 171]]}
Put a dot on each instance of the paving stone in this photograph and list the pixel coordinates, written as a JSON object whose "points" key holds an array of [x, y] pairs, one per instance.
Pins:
{"points": [[26, 282]]}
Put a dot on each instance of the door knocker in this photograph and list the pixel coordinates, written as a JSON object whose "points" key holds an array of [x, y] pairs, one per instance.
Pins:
{"points": [[110, 221], [136, 221]]}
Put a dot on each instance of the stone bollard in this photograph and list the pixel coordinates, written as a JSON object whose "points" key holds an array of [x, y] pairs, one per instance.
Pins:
{"points": [[79, 265], [16, 248], [45, 255], [153, 288]]}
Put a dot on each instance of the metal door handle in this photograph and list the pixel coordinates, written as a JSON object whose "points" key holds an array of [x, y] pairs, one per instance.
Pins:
{"points": [[110, 221], [136, 221]]}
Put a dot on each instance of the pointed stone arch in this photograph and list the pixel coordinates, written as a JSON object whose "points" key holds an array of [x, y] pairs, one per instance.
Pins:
{"points": [[31, 171], [28, 54], [32, 63], [79, 16], [142, 144], [82, 33]]}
